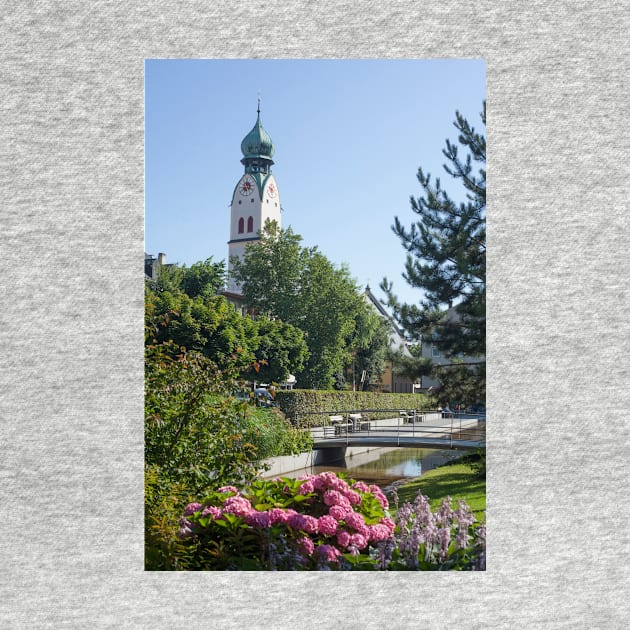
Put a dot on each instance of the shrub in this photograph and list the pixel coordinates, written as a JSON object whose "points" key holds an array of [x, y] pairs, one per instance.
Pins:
{"points": [[323, 522], [301, 406], [272, 435]]}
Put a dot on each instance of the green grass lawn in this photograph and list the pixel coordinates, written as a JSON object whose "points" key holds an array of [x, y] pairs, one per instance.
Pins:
{"points": [[457, 480]]}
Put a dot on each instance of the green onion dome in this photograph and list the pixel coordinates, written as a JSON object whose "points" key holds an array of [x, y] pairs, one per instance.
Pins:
{"points": [[257, 143]]}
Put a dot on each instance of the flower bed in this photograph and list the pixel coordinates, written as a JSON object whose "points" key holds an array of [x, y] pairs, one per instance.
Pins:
{"points": [[323, 522]]}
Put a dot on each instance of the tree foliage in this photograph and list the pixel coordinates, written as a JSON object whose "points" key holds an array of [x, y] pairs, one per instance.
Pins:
{"points": [[371, 344], [447, 252], [191, 314], [282, 279], [281, 350]]}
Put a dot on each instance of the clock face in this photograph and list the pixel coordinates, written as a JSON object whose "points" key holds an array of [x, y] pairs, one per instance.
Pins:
{"points": [[272, 190], [247, 187]]}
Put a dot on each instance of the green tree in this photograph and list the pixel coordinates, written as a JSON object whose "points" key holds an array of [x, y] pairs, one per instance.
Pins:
{"points": [[461, 383], [282, 350], [272, 271], [411, 367], [205, 323], [371, 347], [203, 278], [300, 286], [447, 252]]}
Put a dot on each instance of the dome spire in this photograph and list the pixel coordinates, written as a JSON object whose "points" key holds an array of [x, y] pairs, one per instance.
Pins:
{"points": [[257, 145]]}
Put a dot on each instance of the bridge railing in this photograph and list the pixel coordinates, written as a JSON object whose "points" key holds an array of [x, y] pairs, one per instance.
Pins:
{"points": [[346, 424]]}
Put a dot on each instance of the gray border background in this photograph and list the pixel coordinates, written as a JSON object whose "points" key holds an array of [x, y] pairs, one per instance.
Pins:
{"points": [[71, 167]]}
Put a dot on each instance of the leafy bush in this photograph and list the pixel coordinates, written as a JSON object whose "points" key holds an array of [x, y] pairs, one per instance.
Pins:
{"points": [[193, 436], [323, 522], [272, 435], [297, 403]]}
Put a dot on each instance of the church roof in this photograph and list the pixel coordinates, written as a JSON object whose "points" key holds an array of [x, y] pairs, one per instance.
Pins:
{"points": [[257, 143]]}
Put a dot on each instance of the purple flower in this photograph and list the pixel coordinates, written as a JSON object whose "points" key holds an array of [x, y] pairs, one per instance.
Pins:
{"points": [[444, 538], [184, 528]]}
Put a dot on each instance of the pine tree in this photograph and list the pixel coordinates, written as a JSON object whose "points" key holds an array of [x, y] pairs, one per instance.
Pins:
{"points": [[447, 252]]}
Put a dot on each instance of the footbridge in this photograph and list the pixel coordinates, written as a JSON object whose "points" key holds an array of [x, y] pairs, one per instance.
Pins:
{"points": [[405, 428]]}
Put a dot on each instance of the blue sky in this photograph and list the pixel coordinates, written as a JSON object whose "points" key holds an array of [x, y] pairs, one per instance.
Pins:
{"points": [[349, 137]]}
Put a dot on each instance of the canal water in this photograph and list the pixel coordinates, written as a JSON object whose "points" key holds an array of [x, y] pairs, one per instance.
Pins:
{"points": [[385, 466]]}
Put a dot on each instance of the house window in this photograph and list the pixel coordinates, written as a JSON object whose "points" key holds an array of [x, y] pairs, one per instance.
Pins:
{"points": [[435, 352], [241, 225], [250, 224]]}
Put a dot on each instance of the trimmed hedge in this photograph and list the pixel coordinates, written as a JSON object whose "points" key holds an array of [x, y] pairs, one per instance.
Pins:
{"points": [[299, 404]]}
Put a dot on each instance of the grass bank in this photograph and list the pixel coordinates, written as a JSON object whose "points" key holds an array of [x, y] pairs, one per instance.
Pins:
{"points": [[459, 480]]}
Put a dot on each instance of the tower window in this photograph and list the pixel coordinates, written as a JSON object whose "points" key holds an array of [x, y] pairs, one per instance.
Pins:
{"points": [[250, 224], [252, 200], [241, 225]]}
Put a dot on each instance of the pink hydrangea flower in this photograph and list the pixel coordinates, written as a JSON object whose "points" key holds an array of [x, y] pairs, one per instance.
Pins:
{"points": [[303, 522], [359, 541], [354, 520], [380, 497], [228, 489], [213, 511], [278, 515], [238, 506], [389, 523], [306, 545], [378, 532], [361, 486], [191, 508], [353, 497], [337, 512], [307, 487], [334, 497], [328, 478], [326, 525], [328, 553], [318, 482], [258, 519], [343, 538]]}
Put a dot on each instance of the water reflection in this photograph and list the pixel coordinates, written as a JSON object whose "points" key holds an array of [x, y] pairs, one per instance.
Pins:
{"points": [[384, 466]]}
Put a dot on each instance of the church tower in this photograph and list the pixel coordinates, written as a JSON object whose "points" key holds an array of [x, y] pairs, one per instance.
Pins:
{"points": [[255, 198]]}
